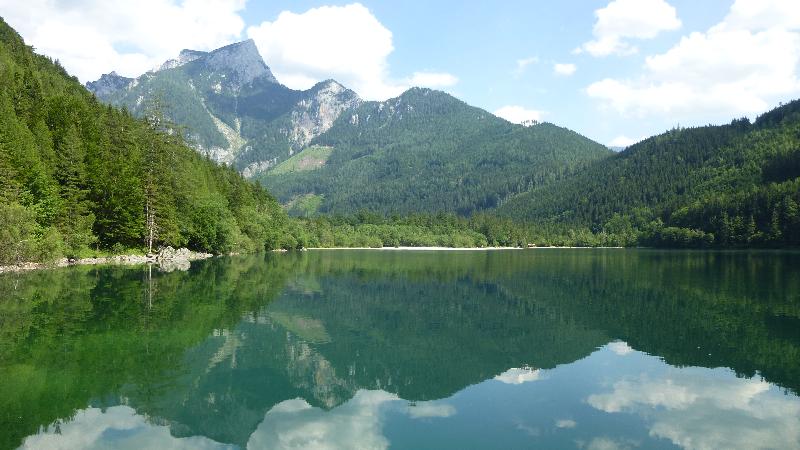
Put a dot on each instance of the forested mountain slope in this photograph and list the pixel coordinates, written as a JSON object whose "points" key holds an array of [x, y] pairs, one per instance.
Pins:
{"points": [[76, 174], [730, 185], [427, 151], [325, 150]]}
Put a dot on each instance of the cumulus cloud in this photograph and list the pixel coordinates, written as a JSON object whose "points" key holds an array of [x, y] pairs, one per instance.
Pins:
{"points": [[565, 423], [355, 424], [623, 141], [623, 20], [423, 410], [92, 37], [564, 69], [296, 424], [117, 427], [606, 443], [518, 114], [519, 375], [743, 65], [347, 43], [698, 409], [619, 347]]}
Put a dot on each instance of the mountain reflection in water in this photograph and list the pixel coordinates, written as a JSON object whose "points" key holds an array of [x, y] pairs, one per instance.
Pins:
{"points": [[361, 349]]}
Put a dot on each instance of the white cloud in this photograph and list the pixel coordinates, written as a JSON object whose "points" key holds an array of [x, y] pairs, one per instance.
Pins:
{"points": [[622, 20], [623, 141], [699, 409], [347, 43], [606, 443], [565, 423], [763, 14], [518, 114], [743, 65], [91, 37], [118, 427], [564, 69], [357, 423], [296, 424], [519, 375], [522, 65], [619, 347], [422, 410]]}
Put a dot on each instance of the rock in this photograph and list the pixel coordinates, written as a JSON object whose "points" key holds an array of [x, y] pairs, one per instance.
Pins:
{"points": [[167, 258]]}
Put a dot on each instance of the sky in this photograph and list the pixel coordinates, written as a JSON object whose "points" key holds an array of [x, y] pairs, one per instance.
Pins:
{"points": [[615, 71]]}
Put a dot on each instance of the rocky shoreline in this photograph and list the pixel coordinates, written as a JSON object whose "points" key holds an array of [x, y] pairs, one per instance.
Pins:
{"points": [[168, 259]]}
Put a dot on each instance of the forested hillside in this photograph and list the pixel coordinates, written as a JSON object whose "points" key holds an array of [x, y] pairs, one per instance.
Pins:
{"points": [[427, 151], [731, 185], [77, 175]]}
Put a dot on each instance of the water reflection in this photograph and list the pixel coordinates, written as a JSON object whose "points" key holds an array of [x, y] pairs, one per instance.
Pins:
{"points": [[698, 408], [691, 408], [567, 349], [118, 427]]}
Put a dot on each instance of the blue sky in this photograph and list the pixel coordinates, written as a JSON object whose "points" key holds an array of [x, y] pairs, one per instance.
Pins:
{"points": [[613, 70]]}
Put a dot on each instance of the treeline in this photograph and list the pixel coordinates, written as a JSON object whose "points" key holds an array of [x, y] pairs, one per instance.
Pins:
{"points": [[78, 177], [369, 229], [639, 229]]}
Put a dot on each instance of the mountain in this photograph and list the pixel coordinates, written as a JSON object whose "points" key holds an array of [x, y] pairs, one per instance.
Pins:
{"points": [[231, 105], [77, 176], [425, 151], [728, 185], [324, 149]]}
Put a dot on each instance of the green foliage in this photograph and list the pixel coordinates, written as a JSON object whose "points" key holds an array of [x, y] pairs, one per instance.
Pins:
{"points": [[735, 185], [426, 151], [310, 158], [305, 205], [75, 174], [22, 239], [366, 229]]}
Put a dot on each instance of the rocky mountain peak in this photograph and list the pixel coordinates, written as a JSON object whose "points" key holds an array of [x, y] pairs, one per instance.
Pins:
{"points": [[319, 108], [108, 84], [184, 57], [242, 60]]}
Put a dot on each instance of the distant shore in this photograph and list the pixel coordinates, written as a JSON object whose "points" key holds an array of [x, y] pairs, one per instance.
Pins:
{"points": [[416, 248], [447, 248]]}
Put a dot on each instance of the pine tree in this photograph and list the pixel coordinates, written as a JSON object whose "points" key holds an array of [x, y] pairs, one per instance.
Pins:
{"points": [[158, 162], [77, 219]]}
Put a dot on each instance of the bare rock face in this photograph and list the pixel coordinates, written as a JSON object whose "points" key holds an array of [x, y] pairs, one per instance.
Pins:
{"points": [[108, 84], [186, 56], [241, 62], [319, 108]]}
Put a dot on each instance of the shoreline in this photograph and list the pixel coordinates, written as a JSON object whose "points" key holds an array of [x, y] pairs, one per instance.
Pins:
{"points": [[415, 248], [168, 259], [452, 248]]}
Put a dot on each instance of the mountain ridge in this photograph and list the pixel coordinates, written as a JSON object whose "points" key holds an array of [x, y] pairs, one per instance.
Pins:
{"points": [[238, 114], [233, 108]]}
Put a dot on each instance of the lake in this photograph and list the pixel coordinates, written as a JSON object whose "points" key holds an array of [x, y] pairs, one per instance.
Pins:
{"points": [[575, 349]]}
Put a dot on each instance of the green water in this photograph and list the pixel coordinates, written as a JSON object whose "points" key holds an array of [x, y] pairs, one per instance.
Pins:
{"points": [[585, 349]]}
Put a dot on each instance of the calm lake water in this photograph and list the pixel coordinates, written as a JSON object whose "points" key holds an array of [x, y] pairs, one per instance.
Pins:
{"points": [[575, 349]]}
